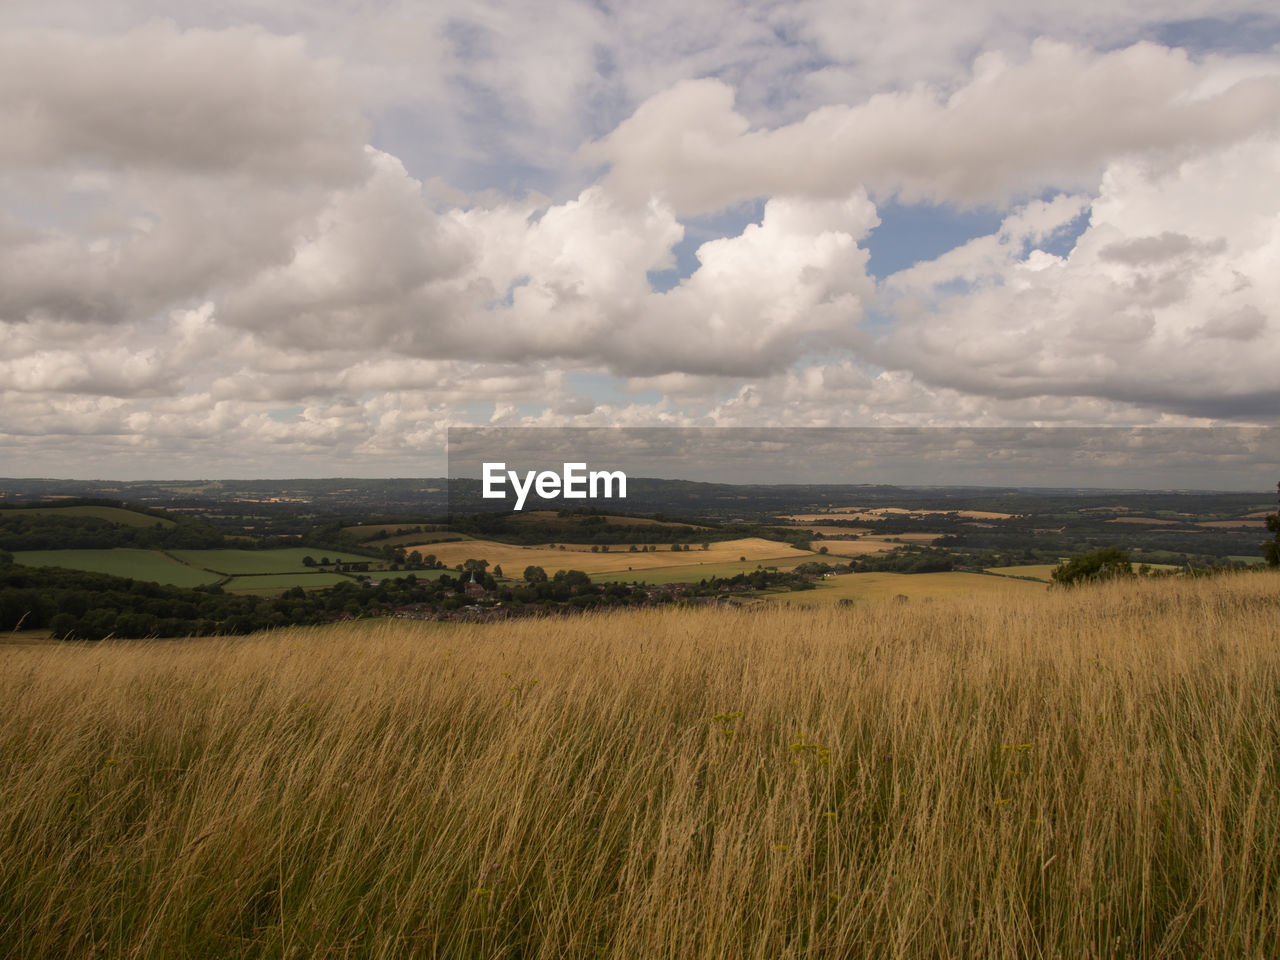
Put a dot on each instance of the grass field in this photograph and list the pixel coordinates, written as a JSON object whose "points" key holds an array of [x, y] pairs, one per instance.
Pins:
{"points": [[1041, 571], [1079, 774], [120, 562], [1044, 571], [275, 582], [111, 514], [243, 562], [864, 546], [915, 586], [576, 556], [854, 548]]}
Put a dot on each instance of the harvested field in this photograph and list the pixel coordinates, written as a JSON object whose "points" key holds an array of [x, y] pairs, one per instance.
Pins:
{"points": [[577, 556]]}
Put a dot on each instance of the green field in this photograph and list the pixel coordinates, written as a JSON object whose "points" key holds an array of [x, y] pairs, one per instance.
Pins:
{"points": [[276, 582], [123, 517], [421, 574], [244, 562], [121, 562]]}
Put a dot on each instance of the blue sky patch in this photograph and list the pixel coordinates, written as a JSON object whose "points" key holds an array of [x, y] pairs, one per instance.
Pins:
{"points": [[910, 233], [1249, 34], [605, 388]]}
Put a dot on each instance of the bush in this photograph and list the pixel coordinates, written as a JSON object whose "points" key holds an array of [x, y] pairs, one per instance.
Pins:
{"points": [[1109, 563]]}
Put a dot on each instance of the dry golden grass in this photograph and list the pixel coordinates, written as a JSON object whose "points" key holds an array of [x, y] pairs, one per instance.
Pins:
{"points": [[578, 556], [880, 586], [1074, 774], [854, 548]]}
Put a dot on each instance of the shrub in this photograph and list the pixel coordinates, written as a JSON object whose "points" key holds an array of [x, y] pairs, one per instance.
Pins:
{"points": [[1109, 563]]}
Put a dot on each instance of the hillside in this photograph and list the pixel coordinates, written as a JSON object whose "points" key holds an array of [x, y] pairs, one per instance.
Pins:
{"points": [[1072, 773]]}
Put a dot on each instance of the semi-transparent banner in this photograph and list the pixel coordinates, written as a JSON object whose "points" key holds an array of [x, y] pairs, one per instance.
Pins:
{"points": [[629, 468]]}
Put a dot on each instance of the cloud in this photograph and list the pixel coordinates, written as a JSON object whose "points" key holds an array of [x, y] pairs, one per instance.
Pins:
{"points": [[155, 167], [1052, 120], [309, 235], [1155, 304], [234, 101]]}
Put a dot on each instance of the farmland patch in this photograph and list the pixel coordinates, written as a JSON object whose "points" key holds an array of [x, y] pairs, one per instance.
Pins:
{"points": [[149, 565]]}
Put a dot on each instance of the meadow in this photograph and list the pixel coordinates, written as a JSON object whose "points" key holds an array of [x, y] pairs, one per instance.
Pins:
{"points": [[244, 562], [121, 562], [864, 546], [270, 584], [262, 572], [1036, 571], [879, 586], [1070, 773]]}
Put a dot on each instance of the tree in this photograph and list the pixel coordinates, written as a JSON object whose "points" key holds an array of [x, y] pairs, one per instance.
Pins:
{"points": [[573, 578], [308, 561], [1109, 563], [497, 571], [534, 574], [1271, 549]]}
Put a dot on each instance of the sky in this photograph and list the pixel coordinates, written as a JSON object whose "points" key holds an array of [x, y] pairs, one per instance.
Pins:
{"points": [[291, 239]]}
